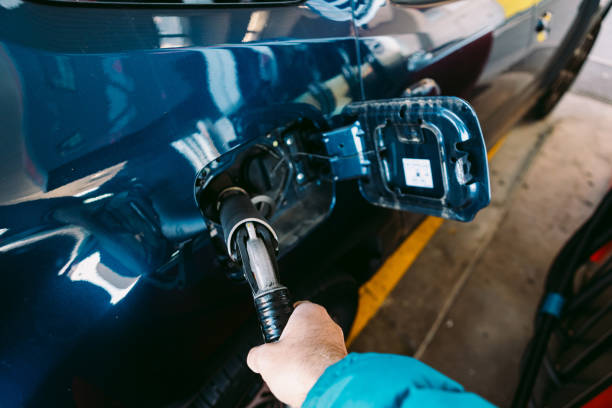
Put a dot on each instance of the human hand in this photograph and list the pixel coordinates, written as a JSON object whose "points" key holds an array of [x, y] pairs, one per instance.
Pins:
{"points": [[309, 344]]}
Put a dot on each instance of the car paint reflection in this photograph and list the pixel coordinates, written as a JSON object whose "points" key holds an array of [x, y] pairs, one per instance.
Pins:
{"points": [[95, 272], [198, 148], [99, 162]]}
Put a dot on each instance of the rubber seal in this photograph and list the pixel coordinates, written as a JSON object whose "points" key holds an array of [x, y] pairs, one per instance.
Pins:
{"points": [[553, 304]]}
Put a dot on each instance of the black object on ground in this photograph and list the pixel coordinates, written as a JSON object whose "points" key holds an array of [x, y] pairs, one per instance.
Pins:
{"points": [[567, 362]]}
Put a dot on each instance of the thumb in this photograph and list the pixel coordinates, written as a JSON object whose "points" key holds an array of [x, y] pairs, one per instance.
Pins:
{"points": [[253, 358]]}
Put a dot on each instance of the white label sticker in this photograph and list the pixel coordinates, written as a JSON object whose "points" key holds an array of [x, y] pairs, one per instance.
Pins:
{"points": [[418, 173]]}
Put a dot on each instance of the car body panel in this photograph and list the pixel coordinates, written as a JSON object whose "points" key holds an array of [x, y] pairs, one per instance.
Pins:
{"points": [[115, 122], [113, 290], [553, 21], [469, 47]]}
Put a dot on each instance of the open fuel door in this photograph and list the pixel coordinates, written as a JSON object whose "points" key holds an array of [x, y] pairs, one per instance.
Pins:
{"points": [[421, 154]]}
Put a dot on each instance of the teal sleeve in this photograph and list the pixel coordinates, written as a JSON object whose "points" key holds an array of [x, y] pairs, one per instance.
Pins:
{"points": [[387, 380]]}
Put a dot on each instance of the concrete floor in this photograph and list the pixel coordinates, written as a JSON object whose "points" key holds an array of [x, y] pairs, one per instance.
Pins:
{"points": [[467, 303]]}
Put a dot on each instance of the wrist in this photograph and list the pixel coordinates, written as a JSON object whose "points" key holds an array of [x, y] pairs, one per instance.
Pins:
{"points": [[322, 376]]}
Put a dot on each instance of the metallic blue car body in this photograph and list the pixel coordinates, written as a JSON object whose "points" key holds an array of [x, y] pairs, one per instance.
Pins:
{"points": [[111, 286]]}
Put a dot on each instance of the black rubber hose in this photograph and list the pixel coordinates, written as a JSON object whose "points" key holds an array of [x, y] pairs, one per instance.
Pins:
{"points": [[560, 279], [598, 285], [535, 354], [273, 311]]}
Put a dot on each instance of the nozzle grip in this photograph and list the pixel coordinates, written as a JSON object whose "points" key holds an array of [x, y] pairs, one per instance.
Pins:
{"points": [[252, 241], [273, 311]]}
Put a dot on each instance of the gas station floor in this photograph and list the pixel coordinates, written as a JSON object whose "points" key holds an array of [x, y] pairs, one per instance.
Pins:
{"points": [[465, 303]]}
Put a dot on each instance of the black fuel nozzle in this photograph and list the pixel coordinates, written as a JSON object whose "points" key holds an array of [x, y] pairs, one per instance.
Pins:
{"points": [[253, 243]]}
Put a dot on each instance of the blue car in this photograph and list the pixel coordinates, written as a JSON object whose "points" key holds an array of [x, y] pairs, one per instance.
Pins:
{"points": [[117, 117]]}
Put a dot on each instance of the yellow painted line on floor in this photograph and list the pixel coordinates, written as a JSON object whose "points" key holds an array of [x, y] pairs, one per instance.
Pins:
{"points": [[493, 151], [373, 293], [512, 7]]}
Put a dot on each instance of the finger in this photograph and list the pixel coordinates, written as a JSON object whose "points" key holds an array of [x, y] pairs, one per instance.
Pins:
{"points": [[304, 317], [253, 358], [300, 311], [310, 309], [299, 302]]}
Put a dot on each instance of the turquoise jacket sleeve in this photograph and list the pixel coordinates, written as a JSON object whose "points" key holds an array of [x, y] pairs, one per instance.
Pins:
{"points": [[387, 380]]}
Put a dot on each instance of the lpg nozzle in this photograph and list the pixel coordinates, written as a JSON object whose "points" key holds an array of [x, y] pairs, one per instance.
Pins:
{"points": [[253, 243]]}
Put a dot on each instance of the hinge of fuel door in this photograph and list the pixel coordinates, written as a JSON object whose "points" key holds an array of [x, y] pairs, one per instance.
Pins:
{"points": [[421, 154], [345, 149]]}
